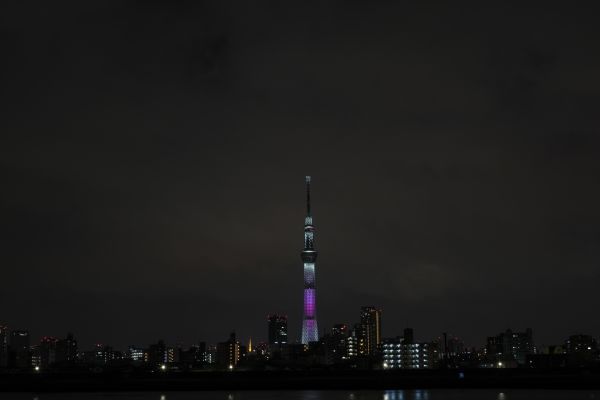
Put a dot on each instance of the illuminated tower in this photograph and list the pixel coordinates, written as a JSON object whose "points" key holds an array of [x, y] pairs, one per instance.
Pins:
{"points": [[309, 257]]}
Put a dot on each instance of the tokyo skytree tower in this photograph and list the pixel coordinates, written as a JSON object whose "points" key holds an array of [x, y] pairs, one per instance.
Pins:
{"points": [[310, 332]]}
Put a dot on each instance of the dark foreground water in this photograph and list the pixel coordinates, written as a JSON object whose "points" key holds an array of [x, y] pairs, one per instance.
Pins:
{"points": [[435, 394]]}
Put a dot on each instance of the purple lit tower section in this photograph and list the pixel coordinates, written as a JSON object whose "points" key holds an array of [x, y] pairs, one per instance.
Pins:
{"points": [[309, 257]]}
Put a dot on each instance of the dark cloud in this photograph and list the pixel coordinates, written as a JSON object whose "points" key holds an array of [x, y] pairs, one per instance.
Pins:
{"points": [[153, 154]]}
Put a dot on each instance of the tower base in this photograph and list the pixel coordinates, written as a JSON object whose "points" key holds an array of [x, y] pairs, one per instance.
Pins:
{"points": [[310, 332]]}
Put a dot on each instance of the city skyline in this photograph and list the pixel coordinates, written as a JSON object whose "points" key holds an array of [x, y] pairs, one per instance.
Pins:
{"points": [[309, 333], [367, 325], [370, 316], [348, 346], [152, 158]]}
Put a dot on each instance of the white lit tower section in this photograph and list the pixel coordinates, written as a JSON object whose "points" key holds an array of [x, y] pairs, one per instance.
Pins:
{"points": [[309, 257]]}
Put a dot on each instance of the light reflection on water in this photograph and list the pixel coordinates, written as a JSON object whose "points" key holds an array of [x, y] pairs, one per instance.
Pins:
{"points": [[406, 395], [434, 394]]}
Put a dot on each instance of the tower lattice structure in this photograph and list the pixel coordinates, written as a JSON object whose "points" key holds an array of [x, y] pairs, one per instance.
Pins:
{"points": [[309, 257]]}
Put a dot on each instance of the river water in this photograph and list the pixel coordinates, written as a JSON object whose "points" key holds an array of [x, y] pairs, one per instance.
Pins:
{"points": [[435, 394]]}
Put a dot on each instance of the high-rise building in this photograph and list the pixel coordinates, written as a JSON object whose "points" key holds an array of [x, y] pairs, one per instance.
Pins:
{"points": [[510, 347], [353, 340], [157, 353], [392, 352], [3, 346], [228, 353], [172, 355], [19, 351], [370, 322], [204, 354], [196, 354], [137, 354], [453, 351], [404, 352], [66, 349], [243, 352], [101, 354], [582, 350], [261, 349], [338, 345], [310, 332], [397, 354], [36, 356], [580, 344], [278, 329], [47, 351], [211, 354]]}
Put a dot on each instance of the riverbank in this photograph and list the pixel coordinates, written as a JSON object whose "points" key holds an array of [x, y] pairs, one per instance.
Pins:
{"points": [[291, 380]]}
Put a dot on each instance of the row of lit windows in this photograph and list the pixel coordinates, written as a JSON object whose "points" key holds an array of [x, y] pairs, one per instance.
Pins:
{"points": [[400, 362], [403, 351], [392, 365], [399, 358]]}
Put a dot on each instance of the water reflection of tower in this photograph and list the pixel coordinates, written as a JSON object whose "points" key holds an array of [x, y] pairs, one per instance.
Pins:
{"points": [[309, 257]]}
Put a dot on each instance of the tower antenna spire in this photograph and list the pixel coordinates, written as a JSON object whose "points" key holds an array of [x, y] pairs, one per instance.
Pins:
{"points": [[308, 195]]}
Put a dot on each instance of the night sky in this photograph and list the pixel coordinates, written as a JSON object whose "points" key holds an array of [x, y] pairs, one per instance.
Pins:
{"points": [[153, 154]]}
